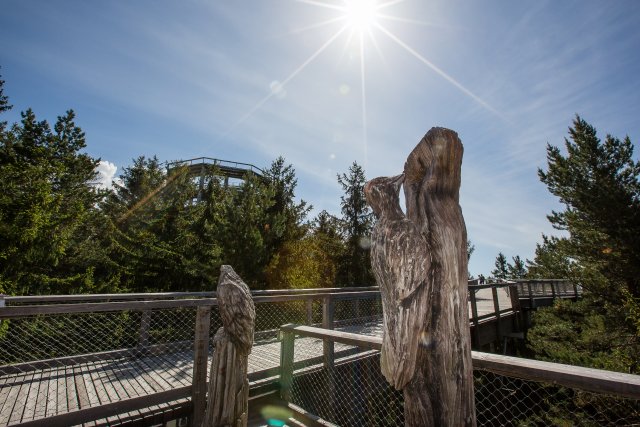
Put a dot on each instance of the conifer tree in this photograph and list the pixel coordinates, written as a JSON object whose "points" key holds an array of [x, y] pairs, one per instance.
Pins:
{"points": [[502, 268], [357, 221], [517, 270], [47, 206], [598, 182]]}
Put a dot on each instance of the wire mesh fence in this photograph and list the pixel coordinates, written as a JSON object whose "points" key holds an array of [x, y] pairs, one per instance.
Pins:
{"points": [[502, 400], [52, 364], [74, 358], [353, 392], [61, 362]]}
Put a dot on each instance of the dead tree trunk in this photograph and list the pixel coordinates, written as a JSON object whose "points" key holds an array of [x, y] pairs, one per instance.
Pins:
{"points": [[420, 262], [228, 392]]}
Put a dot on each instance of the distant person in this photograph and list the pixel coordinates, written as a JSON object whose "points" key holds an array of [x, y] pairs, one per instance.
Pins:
{"points": [[481, 279]]}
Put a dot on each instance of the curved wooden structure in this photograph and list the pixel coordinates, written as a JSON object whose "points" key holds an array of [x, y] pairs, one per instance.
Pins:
{"points": [[420, 262], [228, 396]]}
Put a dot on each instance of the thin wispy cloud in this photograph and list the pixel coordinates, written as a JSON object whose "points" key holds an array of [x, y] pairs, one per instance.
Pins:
{"points": [[160, 78]]}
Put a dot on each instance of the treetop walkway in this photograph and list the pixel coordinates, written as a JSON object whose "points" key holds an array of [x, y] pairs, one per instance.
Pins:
{"points": [[141, 359]]}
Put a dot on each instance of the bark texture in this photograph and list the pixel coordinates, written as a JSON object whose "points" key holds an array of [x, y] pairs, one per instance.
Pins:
{"points": [[420, 262], [228, 391]]}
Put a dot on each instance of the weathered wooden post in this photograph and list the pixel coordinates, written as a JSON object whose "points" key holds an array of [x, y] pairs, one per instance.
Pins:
{"points": [[420, 263], [200, 359], [228, 394], [143, 331], [286, 362]]}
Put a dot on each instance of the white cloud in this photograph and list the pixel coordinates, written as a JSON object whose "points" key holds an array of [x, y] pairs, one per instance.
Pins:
{"points": [[106, 173]]}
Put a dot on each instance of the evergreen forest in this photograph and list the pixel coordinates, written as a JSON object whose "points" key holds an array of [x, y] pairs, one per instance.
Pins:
{"points": [[157, 231]]}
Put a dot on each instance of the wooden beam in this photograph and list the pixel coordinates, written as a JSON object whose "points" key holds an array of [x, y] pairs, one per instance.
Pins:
{"points": [[286, 362], [588, 379], [328, 308], [32, 310], [200, 360], [109, 409], [34, 299]]}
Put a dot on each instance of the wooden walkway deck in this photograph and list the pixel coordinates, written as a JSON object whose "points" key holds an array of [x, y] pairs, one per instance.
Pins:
{"points": [[41, 393]]}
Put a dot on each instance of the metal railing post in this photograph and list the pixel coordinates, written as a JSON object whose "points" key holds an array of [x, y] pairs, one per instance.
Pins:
{"points": [[200, 359], [286, 363]]}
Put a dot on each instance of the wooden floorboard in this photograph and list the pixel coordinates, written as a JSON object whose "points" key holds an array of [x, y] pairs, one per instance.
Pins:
{"points": [[51, 391], [30, 405], [21, 399], [11, 396]]}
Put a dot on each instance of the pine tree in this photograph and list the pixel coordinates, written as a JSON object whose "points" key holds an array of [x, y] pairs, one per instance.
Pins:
{"points": [[47, 207], [357, 221], [598, 183], [502, 268], [517, 270]]}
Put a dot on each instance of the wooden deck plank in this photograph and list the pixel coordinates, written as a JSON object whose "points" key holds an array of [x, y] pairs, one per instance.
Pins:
{"points": [[122, 372], [32, 396], [92, 376], [132, 386], [81, 389], [21, 399], [62, 405], [40, 409], [166, 370], [114, 384], [176, 377], [105, 376], [52, 393], [152, 373], [11, 396], [144, 370], [70, 389], [135, 372], [180, 367], [4, 391]]}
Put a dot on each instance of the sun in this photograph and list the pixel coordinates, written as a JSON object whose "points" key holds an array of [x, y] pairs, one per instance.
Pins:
{"points": [[361, 15], [366, 19]]}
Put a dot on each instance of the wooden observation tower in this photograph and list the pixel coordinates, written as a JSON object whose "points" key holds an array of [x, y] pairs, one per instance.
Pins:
{"points": [[203, 166]]}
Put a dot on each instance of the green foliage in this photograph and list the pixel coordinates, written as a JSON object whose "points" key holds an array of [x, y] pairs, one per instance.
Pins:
{"points": [[598, 182], [580, 333], [505, 270], [502, 270], [301, 264], [159, 229], [46, 207], [517, 270], [357, 221], [173, 236], [470, 249]]}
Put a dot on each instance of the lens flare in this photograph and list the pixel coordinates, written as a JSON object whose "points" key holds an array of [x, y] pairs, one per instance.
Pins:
{"points": [[361, 15]]}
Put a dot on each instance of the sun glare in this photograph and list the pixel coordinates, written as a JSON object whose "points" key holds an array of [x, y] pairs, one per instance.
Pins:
{"points": [[361, 15], [365, 18]]}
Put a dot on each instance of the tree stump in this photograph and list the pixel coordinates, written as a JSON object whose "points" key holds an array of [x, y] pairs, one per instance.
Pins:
{"points": [[228, 391], [420, 262]]}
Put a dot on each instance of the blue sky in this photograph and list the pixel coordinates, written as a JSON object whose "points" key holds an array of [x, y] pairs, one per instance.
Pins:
{"points": [[251, 80]]}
